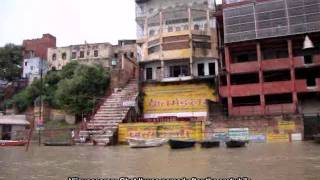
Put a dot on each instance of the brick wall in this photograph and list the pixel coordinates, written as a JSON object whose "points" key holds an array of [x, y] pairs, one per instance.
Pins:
{"points": [[39, 46]]}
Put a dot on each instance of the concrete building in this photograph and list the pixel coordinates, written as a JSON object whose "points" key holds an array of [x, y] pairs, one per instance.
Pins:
{"points": [[33, 67], [13, 127], [178, 49], [35, 56], [105, 54], [272, 57]]}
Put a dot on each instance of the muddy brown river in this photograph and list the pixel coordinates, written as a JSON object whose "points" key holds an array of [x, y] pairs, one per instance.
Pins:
{"points": [[295, 161]]}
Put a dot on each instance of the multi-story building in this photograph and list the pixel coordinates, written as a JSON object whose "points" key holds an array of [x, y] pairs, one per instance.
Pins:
{"points": [[178, 56], [272, 57], [105, 54], [35, 56]]}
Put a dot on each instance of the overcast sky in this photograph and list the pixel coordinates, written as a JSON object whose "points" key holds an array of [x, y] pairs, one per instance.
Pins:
{"points": [[71, 21]]}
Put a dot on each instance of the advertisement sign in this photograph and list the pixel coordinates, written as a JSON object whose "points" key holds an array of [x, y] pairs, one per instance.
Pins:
{"points": [[296, 137], [39, 123], [187, 100], [286, 125], [220, 134], [160, 130], [239, 133], [257, 138], [277, 137]]}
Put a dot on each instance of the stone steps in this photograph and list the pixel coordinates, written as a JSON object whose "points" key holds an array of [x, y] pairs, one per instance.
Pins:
{"points": [[111, 113]]}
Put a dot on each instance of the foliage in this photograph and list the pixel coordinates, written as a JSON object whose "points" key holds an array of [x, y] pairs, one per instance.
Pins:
{"points": [[74, 89], [10, 62]]}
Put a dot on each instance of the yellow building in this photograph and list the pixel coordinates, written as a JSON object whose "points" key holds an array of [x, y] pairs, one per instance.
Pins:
{"points": [[178, 56]]}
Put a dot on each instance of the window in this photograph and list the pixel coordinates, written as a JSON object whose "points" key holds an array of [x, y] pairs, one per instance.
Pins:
{"points": [[151, 32], [212, 69], [272, 76], [278, 99], [196, 27], [154, 49], [311, 82], [54, 57], [131, 54], [81, 54], [74, 55], [88, 53], [96, 53], [200, 69], [186, 27], [177, 71], [246, 101], [170, 29], [308, 59], [149, 74], [31, 68], [178, 28], [115, 55], [246, 78], [25, 63], [64, 56]]}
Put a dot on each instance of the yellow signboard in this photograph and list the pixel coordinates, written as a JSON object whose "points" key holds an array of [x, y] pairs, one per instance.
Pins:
{"points": [[164, 99], [278, 137], [160, 130], [286, 125]]}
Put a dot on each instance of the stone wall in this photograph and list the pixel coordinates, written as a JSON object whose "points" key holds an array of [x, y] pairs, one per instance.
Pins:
{"points": [[276, 128]]}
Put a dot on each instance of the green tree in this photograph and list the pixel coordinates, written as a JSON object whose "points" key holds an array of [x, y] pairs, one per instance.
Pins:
{"points": [[10, 62], [79, 94], [74, 89]]}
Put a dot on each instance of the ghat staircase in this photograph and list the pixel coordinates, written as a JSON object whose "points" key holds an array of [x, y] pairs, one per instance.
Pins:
{"points": [[102, 128]]}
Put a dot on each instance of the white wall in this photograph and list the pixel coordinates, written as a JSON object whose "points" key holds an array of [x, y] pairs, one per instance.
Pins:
{"points": [[154, 70], [32, 68], [206, 66]]}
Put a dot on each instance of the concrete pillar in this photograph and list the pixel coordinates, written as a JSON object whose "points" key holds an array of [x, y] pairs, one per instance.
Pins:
{"points": [[227, 62], [261, 81], [208, 21], [162, 70], [293, 76]]}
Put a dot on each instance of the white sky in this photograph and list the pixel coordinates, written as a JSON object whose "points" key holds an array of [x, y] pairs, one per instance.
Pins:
{"points": [[71, 21]]}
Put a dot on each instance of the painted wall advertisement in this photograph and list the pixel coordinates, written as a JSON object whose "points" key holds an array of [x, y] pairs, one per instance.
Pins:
{"points": [[180, 100], [160, 130], [239, 134]]}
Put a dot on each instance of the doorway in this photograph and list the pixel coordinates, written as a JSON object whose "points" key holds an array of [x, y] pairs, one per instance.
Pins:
{"points": [[6, 132]]}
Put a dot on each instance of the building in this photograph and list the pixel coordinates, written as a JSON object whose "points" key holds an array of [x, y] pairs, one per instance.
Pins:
{"points": [[178, 57], [105, 54], [272, 57], [33, 67], [13, 127], [35, 56]]}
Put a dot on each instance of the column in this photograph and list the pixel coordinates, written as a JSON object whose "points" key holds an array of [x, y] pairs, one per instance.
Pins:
{"points": [[293, 76], [261, 81], [227, 62]]}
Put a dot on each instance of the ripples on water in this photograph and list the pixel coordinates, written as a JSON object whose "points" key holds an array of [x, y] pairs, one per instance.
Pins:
{"points": [[299, 161]]}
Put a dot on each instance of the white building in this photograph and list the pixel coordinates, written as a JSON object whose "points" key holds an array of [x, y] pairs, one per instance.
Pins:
{"points": [[33, 67]]}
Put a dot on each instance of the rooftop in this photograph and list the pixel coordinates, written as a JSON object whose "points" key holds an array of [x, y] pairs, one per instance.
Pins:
{"points": [[13, 120]]}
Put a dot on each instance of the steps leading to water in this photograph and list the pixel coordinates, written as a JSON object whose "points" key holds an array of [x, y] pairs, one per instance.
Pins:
{"points": [[102, 128]]}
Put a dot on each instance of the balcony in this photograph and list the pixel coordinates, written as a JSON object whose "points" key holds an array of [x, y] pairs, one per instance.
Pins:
{"points": [[275, 109], [245, 90], [246, 111], [252, 66], [277, 87], [280, 109], [276, 64]]}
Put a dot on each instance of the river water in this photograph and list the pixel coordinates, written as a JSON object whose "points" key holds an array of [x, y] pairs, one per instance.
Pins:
{"points": [[298, 161]]}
